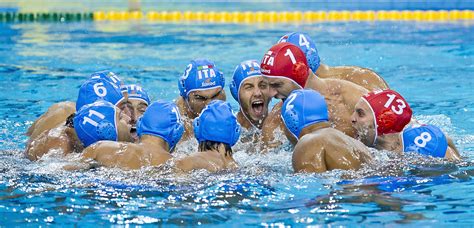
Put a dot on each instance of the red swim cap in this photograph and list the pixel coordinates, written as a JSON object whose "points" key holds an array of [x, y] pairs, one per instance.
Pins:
{"points": [[286, 60], [391, 111]]}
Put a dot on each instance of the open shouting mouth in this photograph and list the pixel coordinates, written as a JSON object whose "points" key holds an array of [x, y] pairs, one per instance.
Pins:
{"points": [[133, 133], [258, 107]]}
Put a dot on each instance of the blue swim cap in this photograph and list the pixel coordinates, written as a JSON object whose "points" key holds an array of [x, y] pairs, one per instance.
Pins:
{"points": [[109, 76], [303, 41], [162, 119], [302, 108], [98, 88], [217, 123], [200, 74], [246, 69], [95, 122], [137, 92], [426, 140]]}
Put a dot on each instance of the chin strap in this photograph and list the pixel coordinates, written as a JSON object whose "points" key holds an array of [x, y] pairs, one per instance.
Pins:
{"points": [[375, 138], [248, 119], [189, 107]]}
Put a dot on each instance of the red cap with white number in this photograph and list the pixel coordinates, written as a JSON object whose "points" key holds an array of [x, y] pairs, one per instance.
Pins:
{"points": [[391, 111], [287, 61]]}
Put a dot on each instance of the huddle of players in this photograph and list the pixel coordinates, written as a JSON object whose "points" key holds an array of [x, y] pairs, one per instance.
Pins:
{"points": [[330, 114]]}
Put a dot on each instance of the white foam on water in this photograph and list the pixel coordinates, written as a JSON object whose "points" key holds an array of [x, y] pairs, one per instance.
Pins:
{"points": [[273, 168]]}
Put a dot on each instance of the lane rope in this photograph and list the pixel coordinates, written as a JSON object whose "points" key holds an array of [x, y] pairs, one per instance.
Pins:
{"points": [[244, 17]]}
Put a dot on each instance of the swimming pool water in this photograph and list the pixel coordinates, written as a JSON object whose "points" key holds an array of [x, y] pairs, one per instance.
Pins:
{"points": [[431, 64]]}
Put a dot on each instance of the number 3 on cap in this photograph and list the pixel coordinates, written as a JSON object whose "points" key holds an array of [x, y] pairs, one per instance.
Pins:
{"points": [[401, 104], [188, 69], [292, 57]]}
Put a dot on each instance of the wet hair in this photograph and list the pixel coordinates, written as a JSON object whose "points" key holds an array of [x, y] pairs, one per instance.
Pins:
{"points": [[70, 121], [213, 145]]}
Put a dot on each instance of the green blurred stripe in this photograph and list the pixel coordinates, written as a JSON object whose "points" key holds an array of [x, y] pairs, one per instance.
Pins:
{"points": [[46, 17]]}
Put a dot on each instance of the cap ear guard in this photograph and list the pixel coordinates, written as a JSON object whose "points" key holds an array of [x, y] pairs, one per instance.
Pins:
{"points": [[234, 90], [95, 122], [182, 87], [138, 126], [106, 131], [313, 59], [386, 120], [221, 75], [300, 71], [291, 120], [197, 130], [176, 135], [236, 135]]}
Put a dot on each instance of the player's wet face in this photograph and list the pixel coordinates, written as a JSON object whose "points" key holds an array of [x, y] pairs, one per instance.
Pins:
{"points": [[280, 88], [254, 98], [363, 121], [198, 100]]}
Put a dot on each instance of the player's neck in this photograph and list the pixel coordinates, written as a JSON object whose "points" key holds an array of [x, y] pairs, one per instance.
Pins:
{"points": [[314, 127], [219, 151], [75, 141], [314, 82], [190, 114], [389, 142], [322, 70], [246, 122], [187, 112], [154, 143], [225, 155]]}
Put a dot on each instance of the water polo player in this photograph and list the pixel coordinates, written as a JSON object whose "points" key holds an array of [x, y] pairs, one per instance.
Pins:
{"points": [[139, 101], [361, 76], [63, 138], [318, 146], [381, 117], [286, 68], [58, 113], [217, 130], [250, 89], [159, 129], [200, 84]]}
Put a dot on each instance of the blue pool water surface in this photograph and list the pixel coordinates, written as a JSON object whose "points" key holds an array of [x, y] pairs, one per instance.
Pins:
{"points": [[432, 65]]}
